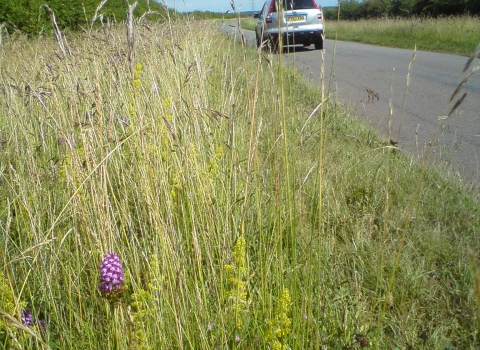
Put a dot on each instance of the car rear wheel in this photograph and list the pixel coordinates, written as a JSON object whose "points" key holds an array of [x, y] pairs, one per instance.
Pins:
{"points": [[319, 44]]}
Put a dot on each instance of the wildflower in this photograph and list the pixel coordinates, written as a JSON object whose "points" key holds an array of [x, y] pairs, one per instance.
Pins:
{"points": [[236, 275], [111, 277], [7, 300], [167, 102], [42, 324], [280, 325], [145, 304], [137, 73], [27, 318]]}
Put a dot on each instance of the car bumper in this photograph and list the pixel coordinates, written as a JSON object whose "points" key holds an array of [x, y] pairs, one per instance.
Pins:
{"points": [[297, 37]]}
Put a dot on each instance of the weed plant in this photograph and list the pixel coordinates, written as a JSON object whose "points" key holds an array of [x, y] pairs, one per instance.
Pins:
{"points": [[240, 220]]}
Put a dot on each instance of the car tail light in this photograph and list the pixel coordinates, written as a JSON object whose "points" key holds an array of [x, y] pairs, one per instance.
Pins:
{"points": [[319, 16], [271, 9]]}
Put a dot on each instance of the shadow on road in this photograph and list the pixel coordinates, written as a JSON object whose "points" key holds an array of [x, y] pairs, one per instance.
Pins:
{"points": [[294, 49]]}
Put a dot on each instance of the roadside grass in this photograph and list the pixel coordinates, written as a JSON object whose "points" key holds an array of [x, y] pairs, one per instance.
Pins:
{"points": [[458, 35], [249, 23], [242, 220]]}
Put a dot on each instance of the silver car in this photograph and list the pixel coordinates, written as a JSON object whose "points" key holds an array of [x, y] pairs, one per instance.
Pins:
{"points": [[290, 22]]}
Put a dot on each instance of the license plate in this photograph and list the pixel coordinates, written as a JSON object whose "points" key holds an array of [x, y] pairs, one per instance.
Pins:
{"points": [[295, 18]]}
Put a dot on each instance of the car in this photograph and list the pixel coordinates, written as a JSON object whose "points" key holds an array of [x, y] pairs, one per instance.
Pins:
{"points": [[289, 22]]}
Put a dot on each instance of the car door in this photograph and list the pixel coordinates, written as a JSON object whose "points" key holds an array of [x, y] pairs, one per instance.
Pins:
{"points": [[260, 27]]}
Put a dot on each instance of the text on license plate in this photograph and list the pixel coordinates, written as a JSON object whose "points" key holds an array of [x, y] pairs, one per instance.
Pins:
{"points": [[295, 18]]}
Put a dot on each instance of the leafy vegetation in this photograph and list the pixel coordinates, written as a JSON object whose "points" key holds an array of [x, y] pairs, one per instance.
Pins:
{"points": [[354, 9], [241, 217], [28, 16]]}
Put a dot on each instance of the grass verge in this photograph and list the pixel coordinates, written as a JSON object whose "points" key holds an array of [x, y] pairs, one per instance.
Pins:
{"points": [[458, 35], [242, 219]]}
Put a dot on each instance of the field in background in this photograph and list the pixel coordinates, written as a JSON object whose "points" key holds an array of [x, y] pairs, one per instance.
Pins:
{"points": [[249, 211], [459, 35]]}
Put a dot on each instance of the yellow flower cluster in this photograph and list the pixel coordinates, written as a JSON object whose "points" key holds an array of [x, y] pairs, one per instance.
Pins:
{"points": [[10, 306], [146, 306], [236, 275], [132, 110], [167, 102], [164, 145], [213, 166], [279, 326], [7, 300], [238, 254], [73, 169], [163, 132], [137, 73], [141, 300]]}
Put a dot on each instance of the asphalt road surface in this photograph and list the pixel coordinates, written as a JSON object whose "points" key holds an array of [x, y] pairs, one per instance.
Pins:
{"points": [[372, 79]]}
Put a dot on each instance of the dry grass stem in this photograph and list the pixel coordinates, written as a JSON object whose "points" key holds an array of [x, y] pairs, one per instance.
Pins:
{"points": [[131, 36], [2, 26], [96, 16], [58, 34]]}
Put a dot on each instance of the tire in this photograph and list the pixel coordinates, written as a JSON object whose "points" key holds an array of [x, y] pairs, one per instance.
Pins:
{"points": [[319, 44]]}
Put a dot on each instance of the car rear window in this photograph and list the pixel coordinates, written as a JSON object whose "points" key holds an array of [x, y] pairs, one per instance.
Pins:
{"points": [[296, 5]]}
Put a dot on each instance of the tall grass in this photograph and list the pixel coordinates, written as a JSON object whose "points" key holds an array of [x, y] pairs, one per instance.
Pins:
{"points": [[203, 172]]}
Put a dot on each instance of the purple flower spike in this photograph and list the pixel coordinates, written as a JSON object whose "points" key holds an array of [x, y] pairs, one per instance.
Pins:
{"points": [[27, 318], [111, 277], [42, 324]]}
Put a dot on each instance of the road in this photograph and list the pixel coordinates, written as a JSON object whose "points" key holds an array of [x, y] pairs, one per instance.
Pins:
{"points": [[370, 79]]}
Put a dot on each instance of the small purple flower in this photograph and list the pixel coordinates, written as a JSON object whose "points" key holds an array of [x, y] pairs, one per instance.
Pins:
{"points": [[111, 277], [42, 324], [27, 318]]}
